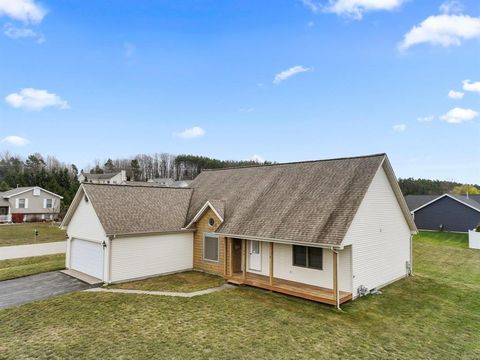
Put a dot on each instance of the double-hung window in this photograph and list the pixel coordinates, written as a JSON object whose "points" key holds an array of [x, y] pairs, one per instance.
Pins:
{"points": [[48, 203], [211, 248], [309, 257], [22, 203]]}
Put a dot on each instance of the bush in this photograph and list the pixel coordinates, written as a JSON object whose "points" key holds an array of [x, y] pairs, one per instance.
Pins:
{"points": [[17, 218], [477, 229]]}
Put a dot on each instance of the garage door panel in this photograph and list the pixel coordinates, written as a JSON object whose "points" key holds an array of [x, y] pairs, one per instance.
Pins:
{"points": [[87, 257]]}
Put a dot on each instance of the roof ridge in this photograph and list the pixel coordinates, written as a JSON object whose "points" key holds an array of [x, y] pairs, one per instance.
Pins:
{"points": [[139, 186], [296, 162]]}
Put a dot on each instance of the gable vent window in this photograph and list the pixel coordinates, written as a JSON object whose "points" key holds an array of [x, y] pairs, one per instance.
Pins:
{"points": [[36, 192], [211, 222], [309, 257], [210, 248]]}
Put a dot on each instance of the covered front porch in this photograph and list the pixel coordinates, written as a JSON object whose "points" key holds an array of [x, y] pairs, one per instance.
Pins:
{"points": [[237, 271]]}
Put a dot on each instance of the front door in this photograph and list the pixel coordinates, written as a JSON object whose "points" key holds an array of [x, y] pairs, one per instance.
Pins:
{"points": [[255, 260], [237, 255]]}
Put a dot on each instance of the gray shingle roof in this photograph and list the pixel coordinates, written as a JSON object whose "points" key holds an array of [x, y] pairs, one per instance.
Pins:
{"points": [[16, 190], [306, 202], [415, 201], [100, 176], [126, 209]]}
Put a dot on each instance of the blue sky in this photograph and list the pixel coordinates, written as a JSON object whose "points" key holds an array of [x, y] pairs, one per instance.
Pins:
{"points": [[285, 80]]}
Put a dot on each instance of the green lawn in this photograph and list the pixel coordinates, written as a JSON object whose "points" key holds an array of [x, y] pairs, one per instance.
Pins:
{"points": [[21, 234], [433, 315], [183, 282], [14, 268]]}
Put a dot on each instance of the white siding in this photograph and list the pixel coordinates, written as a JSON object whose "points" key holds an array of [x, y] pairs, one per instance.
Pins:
{"points": [[283, 267], [143, 256], [380, 236]]}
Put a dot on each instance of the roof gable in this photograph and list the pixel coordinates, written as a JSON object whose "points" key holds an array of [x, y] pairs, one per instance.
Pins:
{"points": [[309, 202], [20, 190], [460, 198]]}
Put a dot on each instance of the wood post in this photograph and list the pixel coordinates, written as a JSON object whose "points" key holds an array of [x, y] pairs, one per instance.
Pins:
{"points": [[230, 242], [225, 250], [244, 246], [271, 264], [335, 277]]}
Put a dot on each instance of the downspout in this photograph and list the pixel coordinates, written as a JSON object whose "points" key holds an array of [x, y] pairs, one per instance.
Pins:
{"points": [[337, 294], [411, 255]]}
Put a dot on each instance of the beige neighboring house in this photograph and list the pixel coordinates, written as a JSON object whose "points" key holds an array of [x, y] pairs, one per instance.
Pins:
{"points": [[327, 230], [34, 202], [119, 177]]}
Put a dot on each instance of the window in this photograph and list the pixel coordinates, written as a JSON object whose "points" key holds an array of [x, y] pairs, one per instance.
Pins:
{"points": [[48, 203], [255, 247], [21, 203], [210, 248], [308, 257], [211, 222], [36, 192]]}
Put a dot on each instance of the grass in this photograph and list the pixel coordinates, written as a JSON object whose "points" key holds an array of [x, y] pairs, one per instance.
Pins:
{"points": [[14, 268], [21, 234], [435, 314], [183, 282]]}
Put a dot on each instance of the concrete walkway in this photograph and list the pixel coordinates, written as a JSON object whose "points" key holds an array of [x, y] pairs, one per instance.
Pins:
{"points": [[36, 287], [164, 293], [21, 251]]}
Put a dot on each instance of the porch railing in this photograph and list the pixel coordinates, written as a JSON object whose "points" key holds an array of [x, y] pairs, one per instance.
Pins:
{"points": [[5, 218]]}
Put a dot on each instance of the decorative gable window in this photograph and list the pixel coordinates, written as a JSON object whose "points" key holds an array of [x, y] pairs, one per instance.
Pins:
{"points": [[309, 257], [36, 192], [210, 248]]}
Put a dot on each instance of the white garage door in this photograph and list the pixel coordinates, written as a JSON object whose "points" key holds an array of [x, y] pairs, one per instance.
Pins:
{"points": [[87, 257]]}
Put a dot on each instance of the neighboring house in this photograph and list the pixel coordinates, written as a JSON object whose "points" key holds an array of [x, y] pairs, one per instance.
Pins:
{"points": [[33, 202], [448, 212], [119, 177], [170, 182], [327, 230]]}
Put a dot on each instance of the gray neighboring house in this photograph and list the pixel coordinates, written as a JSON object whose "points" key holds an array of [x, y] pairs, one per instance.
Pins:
{"points": [[170, 182], [34, 202], [449, 212], [119, 177]]}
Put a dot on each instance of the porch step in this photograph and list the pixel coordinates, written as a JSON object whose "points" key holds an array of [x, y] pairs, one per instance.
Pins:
{"points": [[90, 280], [235, 281]]}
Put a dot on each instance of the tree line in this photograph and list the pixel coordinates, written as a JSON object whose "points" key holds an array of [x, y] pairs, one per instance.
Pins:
{"points": [[411, 186]]}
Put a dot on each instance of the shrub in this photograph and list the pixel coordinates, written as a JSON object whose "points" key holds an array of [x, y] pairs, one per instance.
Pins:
{"points": [[17, 218], [477, 229]]}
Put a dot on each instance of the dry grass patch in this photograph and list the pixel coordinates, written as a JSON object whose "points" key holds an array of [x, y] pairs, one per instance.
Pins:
{"points": [[182, 282]]}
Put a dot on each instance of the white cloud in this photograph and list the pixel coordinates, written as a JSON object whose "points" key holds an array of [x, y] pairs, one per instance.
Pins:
{"points": [[17, 33], [191, 133], [129, 49], [445, 30], [451, 7], [459, 115], [246, 110], [15, 140], [257, 158], [471, 86], [428, 118], [284, 75], [452, 94], [27, 11], [353, 8], [34, 99], [399, 127]]}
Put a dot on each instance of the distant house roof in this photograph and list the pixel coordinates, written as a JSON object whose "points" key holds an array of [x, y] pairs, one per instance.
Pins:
{"points": [[312, 201], [23, 189], [417, 202], [127, 209], [100, 176]]}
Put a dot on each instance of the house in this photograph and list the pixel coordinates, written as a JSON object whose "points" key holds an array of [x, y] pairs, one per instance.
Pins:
{"points": [[448, 212], [170, 182], [33, 202], [119, 177], [327, 230]]}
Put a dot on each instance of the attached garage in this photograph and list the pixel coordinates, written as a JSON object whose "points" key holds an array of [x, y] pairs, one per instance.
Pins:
{"points": [[124, 232], [87, 257]]}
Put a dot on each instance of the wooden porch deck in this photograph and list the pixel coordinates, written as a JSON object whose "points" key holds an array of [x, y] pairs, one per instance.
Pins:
{"points": [[310, 292]]}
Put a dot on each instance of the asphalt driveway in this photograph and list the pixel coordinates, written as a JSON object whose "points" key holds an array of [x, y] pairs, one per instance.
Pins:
{"points": [[36, 287]]}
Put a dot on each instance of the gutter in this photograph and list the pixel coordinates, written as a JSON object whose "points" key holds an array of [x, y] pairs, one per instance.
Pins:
{"points": [[133, 234]]}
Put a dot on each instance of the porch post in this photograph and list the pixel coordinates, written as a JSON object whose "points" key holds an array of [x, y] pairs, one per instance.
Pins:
{"points": [[244, 246], [335, 277], [230, 241], [271, 264], [225, 250]]}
